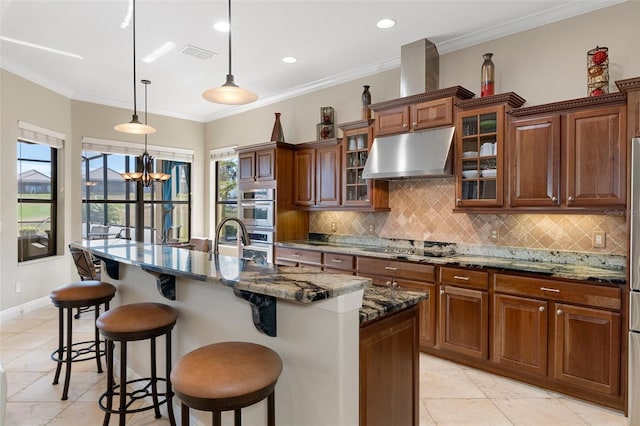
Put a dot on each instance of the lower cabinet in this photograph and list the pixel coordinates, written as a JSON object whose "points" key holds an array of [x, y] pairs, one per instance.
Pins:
{"points": [[464, 312], [389, 370]]}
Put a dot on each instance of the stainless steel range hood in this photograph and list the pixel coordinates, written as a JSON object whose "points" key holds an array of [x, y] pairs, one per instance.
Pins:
{"points": [[411, 155]]}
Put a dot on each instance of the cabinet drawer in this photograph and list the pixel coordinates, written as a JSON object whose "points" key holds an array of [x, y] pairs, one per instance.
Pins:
{"points": [[396, 269], [586, 294], [339, 261], [464, 277], [297, 255]]}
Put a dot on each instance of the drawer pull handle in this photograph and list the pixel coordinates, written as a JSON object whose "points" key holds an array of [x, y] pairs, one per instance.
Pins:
{"points": [[459, 277], [295, 255], [552, 290], [390, 268], [337, 260], [559, 312], [541, 308]]}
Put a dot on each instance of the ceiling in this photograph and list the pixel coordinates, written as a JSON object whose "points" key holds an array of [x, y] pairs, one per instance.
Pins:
{"points": [[335, 41]]}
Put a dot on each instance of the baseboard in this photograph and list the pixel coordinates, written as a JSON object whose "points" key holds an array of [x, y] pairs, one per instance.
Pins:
{"points": [[16, 311]]}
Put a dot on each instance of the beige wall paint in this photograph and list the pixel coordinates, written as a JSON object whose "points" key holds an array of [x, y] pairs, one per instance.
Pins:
{"points": [[25, 101]]}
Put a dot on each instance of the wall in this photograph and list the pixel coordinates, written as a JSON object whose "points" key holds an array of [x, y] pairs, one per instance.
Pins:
{"points": [[22, 100], [543, 65]]}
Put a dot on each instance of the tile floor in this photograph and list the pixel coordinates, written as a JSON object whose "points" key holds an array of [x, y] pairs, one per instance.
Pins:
{"points": [[450, 394]]}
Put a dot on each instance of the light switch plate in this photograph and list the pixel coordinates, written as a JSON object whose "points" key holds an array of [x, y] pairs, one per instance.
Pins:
{"points": [[599, 239]]}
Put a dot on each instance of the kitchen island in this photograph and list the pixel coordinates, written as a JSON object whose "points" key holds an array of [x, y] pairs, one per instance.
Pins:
{"points": [[311, 319]]}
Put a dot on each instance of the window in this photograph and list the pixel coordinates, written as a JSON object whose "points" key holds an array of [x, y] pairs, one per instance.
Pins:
{"points": [[224, 166], [114, 208], [37, 200]]}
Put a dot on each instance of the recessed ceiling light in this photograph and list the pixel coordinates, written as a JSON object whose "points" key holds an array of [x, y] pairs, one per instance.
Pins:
{"points": [[37, 46], [160, 51], [222, 26], [290, 59], [385, 23]]}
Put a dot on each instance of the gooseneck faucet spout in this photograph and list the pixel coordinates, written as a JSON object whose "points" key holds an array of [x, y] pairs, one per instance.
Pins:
{"points": [[244, 235]]}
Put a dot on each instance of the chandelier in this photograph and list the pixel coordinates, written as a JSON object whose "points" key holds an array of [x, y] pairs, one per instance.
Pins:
{"points": [[230, 93], [144, 163]]}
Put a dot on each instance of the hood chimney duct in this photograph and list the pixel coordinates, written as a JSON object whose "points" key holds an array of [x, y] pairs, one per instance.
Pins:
{"points": [[419, 68]]}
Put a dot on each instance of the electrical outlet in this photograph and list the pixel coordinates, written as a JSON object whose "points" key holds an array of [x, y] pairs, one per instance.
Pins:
{"points": [[334, 227], [18, 287], [599, 239], [494, 234], [372, 228]]}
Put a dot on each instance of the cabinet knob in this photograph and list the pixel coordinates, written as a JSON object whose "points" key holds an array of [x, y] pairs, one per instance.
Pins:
{"points": [[570, 199], [441, 291], [458, 201], [414, 124], [388, 283], [554, 198], [541, 308], [559, 312], [404, 125]]}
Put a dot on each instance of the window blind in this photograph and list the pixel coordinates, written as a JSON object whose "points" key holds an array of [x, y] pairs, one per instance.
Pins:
{"points": [[130, 148], [32, 133]]}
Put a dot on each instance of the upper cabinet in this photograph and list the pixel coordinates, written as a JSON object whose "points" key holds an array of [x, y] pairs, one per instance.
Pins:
{"points": [[480, 150], [256, 165], [359, 193], [418, 112], [317, 169], [570, 155]]}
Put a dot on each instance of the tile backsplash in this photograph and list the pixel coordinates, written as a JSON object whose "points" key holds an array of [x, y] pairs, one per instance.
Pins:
{"points": [[422, 210]]}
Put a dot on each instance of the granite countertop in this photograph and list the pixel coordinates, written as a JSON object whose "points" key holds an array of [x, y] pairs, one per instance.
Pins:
{"points": [[286, 283], [379, 301], [578, 267]]}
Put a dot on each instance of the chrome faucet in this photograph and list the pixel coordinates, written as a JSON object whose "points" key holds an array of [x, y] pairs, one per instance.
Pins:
{"points": [[244, 235]]}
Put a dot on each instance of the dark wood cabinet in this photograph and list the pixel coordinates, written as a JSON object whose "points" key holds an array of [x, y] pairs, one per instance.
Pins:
{"points": [[389, 370], [596, 161], [409, 276], [257, 166], [359, 193], [569, 155], [534, 161], [317, 169], [430, 114], [392, 120], [587, 348], [520, 333]]}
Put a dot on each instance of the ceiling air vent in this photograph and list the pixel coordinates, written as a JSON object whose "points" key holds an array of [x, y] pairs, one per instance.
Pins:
{"points": [[197, 52]]}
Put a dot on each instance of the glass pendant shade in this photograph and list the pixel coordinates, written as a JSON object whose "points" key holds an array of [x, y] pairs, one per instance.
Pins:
{"points": [[135, 127], [230, 94]]}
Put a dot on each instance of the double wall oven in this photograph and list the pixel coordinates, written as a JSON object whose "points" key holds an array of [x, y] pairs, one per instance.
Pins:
{"points": [[257, 211]]}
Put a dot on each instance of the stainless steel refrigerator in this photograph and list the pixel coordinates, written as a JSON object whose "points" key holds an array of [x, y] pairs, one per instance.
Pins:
{"points": [[634, 287]]}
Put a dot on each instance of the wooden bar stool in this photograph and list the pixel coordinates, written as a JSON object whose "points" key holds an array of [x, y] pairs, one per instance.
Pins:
{"points": [[78, 295], [227, 376], [126, 323]]}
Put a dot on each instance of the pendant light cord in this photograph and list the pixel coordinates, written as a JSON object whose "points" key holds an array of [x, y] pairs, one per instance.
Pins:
{"points": [[229, 37], [135, 111]]}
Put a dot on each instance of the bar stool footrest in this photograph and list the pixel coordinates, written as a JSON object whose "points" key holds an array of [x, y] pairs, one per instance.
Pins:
{"points": [[135, 395], [86, 349]]}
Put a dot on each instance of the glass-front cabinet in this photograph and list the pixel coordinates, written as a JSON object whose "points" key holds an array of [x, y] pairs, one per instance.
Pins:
{"points": [[480, 150], [368, 194]]}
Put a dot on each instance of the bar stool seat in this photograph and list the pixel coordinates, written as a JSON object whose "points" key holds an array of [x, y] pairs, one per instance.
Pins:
{"points": [[226, 376], [81, 294], [126, 323]]}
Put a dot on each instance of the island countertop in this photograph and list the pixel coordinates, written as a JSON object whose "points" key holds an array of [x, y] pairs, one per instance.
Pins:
{"points": [[285, 283]]}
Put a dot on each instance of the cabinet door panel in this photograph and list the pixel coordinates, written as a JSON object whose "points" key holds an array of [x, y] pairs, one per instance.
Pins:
{"points": [[328, 173], [520, 333], [303, 177], [596, 157], [464, 321], [427, 310], [246, 167], [587, 348], [394, 120], [265, 165], [432, 114], [534, 161]]}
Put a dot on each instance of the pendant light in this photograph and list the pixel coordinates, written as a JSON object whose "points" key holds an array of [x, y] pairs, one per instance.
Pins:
{"points": [[134, 126], [144, 163], [230, 93]]}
